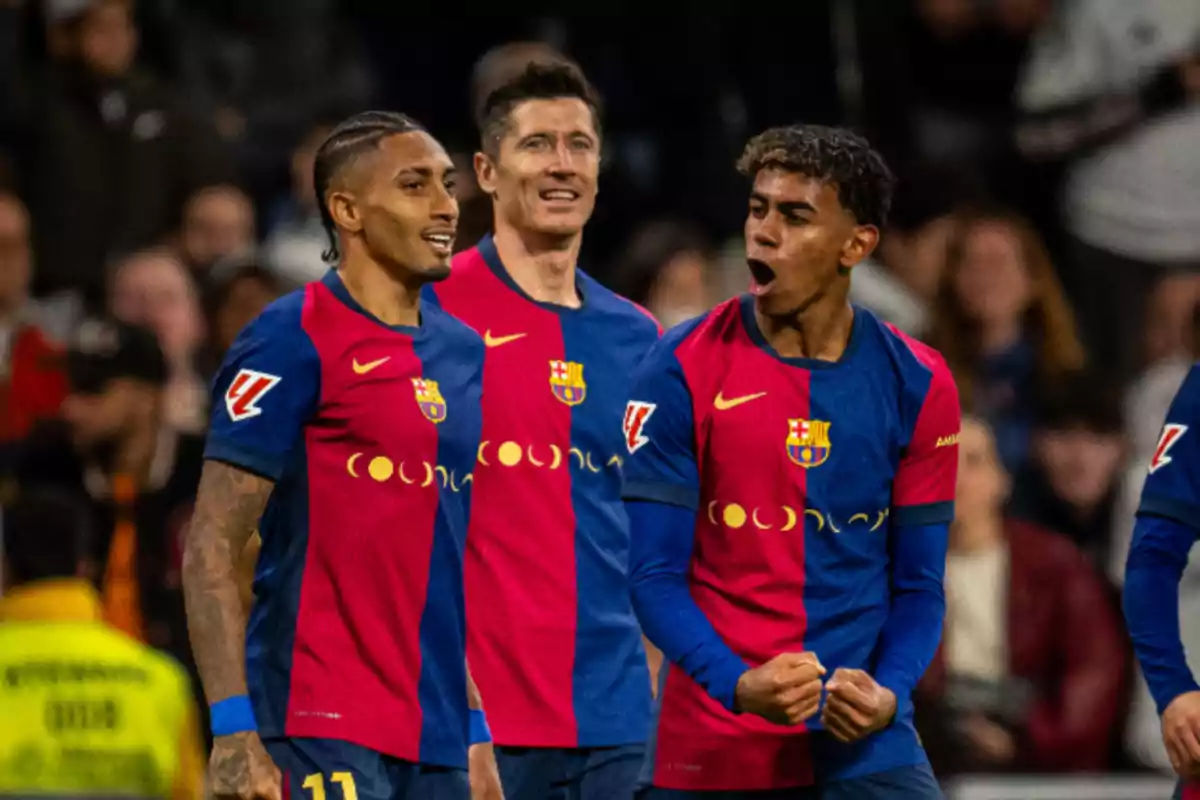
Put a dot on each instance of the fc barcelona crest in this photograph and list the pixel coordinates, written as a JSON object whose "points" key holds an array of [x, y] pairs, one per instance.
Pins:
{"points": [[566, 381], [429, 399], [808, 442]]}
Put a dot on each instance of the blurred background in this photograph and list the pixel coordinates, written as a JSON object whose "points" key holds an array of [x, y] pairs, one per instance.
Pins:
{"points": [[156, 193]]}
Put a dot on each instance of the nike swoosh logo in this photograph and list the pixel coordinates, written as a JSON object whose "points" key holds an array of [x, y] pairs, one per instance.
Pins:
{"points": [[363, 369], [721, 404], [496, 341]]}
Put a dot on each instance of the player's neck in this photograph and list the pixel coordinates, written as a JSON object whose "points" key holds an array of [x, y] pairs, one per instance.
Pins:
{"points": [[388, 299], [543, 267], [821, 332]]}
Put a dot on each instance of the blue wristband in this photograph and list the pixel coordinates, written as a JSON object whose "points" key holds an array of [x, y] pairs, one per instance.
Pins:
{"points": [[480, 733], [232, 715]]}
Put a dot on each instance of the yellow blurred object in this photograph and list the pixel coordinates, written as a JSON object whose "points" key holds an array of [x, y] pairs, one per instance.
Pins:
{"points": [[87, 711]]}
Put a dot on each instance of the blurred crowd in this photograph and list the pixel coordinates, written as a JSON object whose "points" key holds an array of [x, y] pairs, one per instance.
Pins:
{"points": [[156, 194]]}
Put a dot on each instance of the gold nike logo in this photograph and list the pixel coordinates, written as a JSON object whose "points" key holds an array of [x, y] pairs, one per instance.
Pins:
{"points": [[363, 369], [496, 341], [721, 404]]}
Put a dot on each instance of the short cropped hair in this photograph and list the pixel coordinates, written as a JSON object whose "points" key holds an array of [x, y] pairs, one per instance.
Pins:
{"points": [[538, 81], [835, 156]]}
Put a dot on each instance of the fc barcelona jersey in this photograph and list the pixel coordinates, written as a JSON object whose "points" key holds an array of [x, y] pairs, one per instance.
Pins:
{"points": [[802, 473], [370, 433], [552, 639]]}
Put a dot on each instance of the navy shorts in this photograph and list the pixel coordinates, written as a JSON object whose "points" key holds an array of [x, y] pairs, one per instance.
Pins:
{"points": [[327, 768], [588, 773], [907, 783]]}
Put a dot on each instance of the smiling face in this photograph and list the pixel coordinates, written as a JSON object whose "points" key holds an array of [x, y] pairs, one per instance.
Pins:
{"points": [[399, 201], [545, 172], [800, 241]]}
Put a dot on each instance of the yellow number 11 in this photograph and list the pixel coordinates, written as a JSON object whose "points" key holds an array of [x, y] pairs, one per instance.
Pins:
{"points": [[316, 782]]}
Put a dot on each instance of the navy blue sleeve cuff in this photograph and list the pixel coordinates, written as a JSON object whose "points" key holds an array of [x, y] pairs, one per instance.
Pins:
{"points": [[1169, 507], [670, 494], [723, 686], [924, 514], [237, 455]]}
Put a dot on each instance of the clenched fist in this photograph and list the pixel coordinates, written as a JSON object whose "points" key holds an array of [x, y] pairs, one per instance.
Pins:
{"points": [[856, 706], [240, 769], [1181, 734], [786, 689]]}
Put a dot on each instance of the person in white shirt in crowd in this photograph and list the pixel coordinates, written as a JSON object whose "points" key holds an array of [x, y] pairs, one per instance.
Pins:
{"points": [[1112, 88]]}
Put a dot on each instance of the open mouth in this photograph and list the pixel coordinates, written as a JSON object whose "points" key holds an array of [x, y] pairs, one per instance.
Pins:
{"points": [[559, 195], [762, 276], [442, 242]]}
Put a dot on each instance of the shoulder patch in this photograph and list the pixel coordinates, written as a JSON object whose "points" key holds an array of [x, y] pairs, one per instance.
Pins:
{"points": [[244, 392], [636, 415], [1171, 433]]}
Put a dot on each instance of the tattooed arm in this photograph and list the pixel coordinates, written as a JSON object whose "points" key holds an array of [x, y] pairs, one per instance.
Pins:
{"points": [[484, 772], [229, 502]]}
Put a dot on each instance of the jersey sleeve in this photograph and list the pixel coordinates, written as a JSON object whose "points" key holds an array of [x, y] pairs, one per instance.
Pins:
{"points": [[1172, 487], [265, 392], [660, 433], [923, 491]]}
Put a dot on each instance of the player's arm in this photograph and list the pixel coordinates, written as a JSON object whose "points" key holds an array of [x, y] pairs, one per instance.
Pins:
{"points": [[264, 394], [922, 508], [1167, 525], [662, 491], [483, 770]]}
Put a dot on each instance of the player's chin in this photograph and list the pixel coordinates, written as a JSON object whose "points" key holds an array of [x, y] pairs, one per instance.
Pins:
{"points": [[565, 222], [436, 271]]}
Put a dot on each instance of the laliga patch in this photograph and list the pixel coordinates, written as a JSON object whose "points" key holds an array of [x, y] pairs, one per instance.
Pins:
{"points": [[637, 414], [1172, 433], [242, 396]]}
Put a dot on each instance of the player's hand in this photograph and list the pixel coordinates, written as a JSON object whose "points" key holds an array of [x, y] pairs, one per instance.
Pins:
{"points": [[786, 689], [1181, 734], [240, 769], [485, 775], [856, 706]]}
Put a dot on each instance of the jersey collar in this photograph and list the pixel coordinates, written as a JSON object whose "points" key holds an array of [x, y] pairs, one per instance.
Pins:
{"points": [[52, 600]]}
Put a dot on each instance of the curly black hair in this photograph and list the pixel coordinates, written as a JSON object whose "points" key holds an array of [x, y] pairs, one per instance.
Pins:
{"points": [[346, 142], [539, 81], [836, 156]]}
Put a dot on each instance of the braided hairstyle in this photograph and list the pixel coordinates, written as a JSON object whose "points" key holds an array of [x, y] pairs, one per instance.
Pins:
{"points": [[350, 139]]}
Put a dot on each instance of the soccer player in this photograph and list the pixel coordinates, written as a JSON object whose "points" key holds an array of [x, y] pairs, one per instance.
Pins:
{"points": [[790, 482], [552, 638], [346, 427], [1167, 525]]}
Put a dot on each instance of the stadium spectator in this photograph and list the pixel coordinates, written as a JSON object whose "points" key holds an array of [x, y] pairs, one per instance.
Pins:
{"points": [[1111, 89], [238, 292], [218, 222], [665, 269], [114, 454], [1031, 670], [94, 110], [1003, 325], [87, 711], [1078, 446], [153, 289], [31, 382], [296, 240]]}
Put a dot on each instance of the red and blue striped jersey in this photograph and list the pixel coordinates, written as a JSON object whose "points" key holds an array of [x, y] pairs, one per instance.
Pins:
{"points": [[370, 433], [553, 642], [802, 474]]}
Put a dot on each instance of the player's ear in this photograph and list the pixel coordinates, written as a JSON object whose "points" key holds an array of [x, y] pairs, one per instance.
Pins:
{"points": [[344, 210], [485, 173], [860, 244]]}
